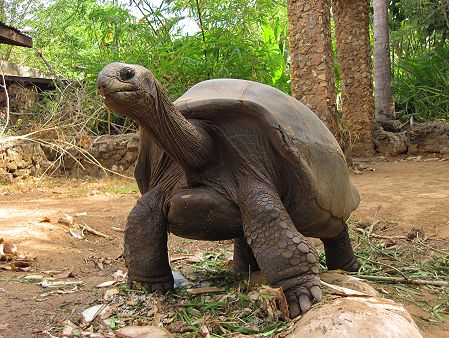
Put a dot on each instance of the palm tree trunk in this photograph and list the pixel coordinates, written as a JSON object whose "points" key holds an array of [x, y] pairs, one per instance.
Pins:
{"points": [[382, 66], [312, 61], [351, 19]]}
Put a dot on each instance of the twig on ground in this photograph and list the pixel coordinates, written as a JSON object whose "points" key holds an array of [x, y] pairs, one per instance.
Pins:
{"points": [[403, 280], [93, 231], [375, 221], [384, 264], [364, 232]]}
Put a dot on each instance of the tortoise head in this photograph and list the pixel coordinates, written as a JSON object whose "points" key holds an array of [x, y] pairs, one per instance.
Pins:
{"points": [[130, 89]]}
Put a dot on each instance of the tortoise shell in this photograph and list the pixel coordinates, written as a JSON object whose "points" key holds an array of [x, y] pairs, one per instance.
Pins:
{"points": [[292, 128]]}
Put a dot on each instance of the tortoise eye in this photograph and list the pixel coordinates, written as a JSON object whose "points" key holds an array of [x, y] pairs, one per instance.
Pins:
{"points": [[126, 73]]}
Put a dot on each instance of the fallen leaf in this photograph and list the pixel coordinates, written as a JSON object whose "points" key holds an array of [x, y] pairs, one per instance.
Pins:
{"points": [[78, 234], [44, 219], [66, 219], [106, 284], [110, 293], [34, 277], [119, 276], [46, 284], [91, 313], [207, 289], [65, 274], [143, 332], [9, 248], [81, 214], [67, 331], [59, 292], [279, 295]]}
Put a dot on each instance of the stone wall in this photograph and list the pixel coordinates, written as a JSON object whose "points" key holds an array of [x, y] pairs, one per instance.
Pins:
{"points": [[420, 138], [104, 155], [118, 153]]}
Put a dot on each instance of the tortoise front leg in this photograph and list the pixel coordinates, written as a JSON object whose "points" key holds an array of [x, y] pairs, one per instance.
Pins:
{"points": [[146, 255], [283, 254]]}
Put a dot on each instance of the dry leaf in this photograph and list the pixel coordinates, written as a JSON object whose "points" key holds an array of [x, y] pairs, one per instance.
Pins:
{"points": [[119, 276], [46, 284], [33, 277], [143, 331], [66, 219], [91, 313], [78, 234], [81, 214], [279, 295], [110, 293], [59, 292], [207, 289], [65, 274], [45, 219], [106, 284]]}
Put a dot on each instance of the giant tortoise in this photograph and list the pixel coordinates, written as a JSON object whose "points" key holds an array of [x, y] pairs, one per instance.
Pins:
{"points": [[233, 159]]}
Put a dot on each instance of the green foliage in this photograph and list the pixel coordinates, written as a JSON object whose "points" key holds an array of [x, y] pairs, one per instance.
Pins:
{"points": [[419, 44], [232, 38], [421, 85]]}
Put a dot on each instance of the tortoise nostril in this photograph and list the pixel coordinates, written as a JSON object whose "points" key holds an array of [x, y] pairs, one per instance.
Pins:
{"points": [[126, 73]]}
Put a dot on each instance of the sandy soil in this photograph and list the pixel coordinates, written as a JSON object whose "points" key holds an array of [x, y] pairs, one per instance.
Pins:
{"points": [[406, 193]]}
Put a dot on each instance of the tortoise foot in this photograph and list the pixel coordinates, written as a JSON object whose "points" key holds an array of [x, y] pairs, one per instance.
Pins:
{"points": [[339, 253], [300, 292], [161, 284]]}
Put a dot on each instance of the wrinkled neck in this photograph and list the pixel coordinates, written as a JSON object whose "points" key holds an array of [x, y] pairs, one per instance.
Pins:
{"points": [[185, 142]]}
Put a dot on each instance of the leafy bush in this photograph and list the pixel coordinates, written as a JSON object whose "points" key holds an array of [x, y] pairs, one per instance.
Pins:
{"points": [[421, 85]]}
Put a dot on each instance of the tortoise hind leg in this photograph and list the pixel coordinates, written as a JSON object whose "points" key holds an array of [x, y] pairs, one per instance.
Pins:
{"points": [[339, 253], [244, 260]]}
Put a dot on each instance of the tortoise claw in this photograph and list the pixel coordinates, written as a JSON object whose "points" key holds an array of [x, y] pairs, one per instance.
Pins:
{"points": [[301, 296]]}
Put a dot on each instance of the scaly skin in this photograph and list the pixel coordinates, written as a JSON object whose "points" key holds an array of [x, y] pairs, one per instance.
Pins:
{"points": [[283, 254], [146, 255]]}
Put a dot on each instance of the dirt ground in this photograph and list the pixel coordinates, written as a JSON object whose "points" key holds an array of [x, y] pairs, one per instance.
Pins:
{"points": [[408, 194]]}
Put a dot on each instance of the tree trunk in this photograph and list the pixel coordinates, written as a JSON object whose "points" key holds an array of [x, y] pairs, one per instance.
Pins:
{"points": [[382, 66], [312, 61], [351, 20]]}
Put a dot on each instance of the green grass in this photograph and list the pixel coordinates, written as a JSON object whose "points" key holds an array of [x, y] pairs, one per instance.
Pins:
{"points": [[123, 189]]}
